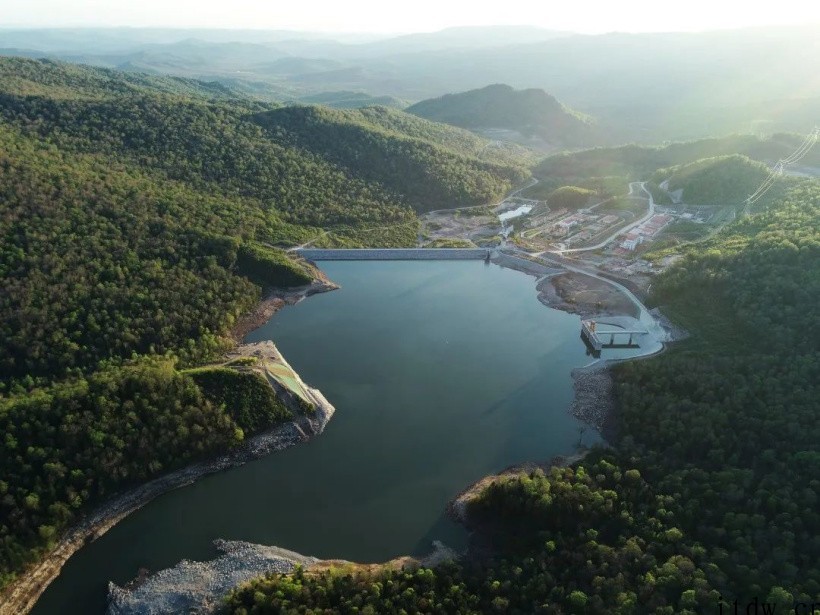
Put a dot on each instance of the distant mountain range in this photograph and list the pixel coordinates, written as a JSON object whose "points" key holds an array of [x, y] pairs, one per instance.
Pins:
{"points": [[641, 87]]}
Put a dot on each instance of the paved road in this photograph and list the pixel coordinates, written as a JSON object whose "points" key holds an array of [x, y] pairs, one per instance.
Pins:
{"points": [[621, 231]]}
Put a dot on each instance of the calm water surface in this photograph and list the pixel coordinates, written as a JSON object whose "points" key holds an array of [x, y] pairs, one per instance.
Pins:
{"points": [[441, 372]]}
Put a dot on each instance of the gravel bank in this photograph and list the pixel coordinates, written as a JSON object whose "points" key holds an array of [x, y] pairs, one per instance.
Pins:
{"points": [[198, 587], [594, 401], [583, 295]]}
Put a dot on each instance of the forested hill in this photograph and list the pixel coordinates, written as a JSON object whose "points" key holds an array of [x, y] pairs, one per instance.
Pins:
{"points": [[138, 219], [431, 166], [726, 180], [218, 144], [708, 497], [530, 112]]}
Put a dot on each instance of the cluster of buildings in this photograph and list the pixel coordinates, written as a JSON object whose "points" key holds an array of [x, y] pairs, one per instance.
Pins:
{"points": [[647, 230], [546, 218], [592, 224]]}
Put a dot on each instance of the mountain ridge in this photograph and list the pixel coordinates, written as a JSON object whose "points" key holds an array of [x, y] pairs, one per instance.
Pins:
{"points": [[530, 111]]}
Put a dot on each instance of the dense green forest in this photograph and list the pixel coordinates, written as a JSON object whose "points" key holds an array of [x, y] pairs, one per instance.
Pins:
{"points": [[383, 146], [74, 443], [70, 81], [140, 218], [726, 180], [245, 395], [531, 112], [709, 492], [242, 148]]}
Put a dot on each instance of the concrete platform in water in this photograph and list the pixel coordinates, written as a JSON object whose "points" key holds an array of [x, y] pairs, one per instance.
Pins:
{"points": [[595, 337]]}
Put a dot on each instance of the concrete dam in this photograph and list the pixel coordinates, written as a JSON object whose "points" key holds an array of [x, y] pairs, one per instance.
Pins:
{"points": [[395, 254]]}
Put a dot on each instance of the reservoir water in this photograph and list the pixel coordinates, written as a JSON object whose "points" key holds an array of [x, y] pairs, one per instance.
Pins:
{"points": [[441, 372]]}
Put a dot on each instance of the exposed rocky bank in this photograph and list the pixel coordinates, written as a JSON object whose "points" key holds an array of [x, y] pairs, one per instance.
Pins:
{"points": [[198, 587]]}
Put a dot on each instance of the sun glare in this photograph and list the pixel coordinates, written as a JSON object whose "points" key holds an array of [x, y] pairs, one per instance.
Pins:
{"points": [[592, 17]]}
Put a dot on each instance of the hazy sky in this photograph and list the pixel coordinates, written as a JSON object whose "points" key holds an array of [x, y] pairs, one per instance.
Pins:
{"points": [[592, 16]]}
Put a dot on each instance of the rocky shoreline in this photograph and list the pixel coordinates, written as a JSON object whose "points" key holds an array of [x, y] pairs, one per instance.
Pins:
{"points": [[198, 587], [457, 507], [22, 594], [594, 400], [275, 300]]}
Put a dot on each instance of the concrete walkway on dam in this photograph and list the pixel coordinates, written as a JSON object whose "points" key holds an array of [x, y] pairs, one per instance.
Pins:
{"points": [[498, 257], [395, 254]]}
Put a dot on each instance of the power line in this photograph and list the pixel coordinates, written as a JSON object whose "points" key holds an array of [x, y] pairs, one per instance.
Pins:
{"points": [[780, 166]]}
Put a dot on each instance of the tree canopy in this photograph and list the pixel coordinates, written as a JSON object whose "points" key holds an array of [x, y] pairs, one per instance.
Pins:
{"points": [[140, 218]]}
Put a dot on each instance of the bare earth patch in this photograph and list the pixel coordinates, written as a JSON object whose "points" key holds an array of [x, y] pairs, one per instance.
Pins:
{"points": [[584, 295]]}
